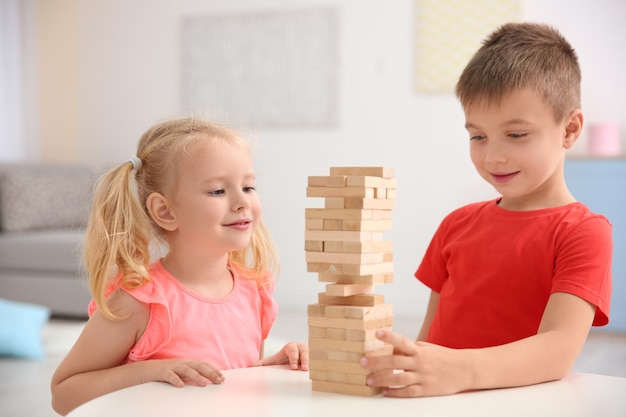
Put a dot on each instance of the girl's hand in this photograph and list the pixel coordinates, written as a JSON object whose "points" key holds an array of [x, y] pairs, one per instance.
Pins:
{"points": [[426, 369], [293, 353], [179, 372]]}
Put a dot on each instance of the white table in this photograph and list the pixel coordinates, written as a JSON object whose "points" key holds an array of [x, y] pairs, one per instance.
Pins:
{"points": [[278, 391]]}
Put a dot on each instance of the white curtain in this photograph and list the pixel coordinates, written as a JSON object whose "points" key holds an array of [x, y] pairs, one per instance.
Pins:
{"points": [[12, 140]]}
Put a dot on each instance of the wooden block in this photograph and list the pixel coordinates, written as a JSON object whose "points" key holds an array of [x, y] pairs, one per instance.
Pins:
{"points": [[354, 324], [356, 312], [334, 203], [363, 171], [384, 246], [329, 333], [360, 192], [380, 268], [344, 258], [371, 279], [380, 214], [346, 357], [320, 332], [391, 194], [363, 335], [342, 290], [314, 245], [380, 193], [342, 236], [361, 346], [317, 310], [367, 225], [334, 334], [369, 203], [331, 224], [342, 377], [328, 181], [352, 366], [331, 246], [351, 300], [340, 214], [314, 224], [318, 354], [348, 389], [345, 378], [350, 269], [370, 181], [339, 359]]}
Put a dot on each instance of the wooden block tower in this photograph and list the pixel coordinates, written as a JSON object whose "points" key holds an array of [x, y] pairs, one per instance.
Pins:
{"points": [[344, 245]]}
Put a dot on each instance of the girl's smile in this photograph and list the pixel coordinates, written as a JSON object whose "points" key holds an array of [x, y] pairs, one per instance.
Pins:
{"points": [[243, 224]]}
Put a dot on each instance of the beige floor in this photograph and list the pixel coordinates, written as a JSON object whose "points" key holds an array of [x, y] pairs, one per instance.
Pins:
{"points": [[24, 385]]}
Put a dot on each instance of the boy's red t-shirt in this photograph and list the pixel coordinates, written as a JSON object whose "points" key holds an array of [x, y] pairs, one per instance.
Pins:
{"points": [[495, 270]]}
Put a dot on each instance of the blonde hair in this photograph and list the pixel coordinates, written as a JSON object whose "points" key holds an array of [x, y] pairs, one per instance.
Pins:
{"points": [[120, 232], [523, 55]]}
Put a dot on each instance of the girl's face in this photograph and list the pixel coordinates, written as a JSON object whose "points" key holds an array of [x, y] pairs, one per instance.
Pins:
{"points": [[518, 148], [213, 201]]}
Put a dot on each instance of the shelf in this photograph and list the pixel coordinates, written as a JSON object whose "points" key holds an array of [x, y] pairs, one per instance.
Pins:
{"points": [[596, 157]]}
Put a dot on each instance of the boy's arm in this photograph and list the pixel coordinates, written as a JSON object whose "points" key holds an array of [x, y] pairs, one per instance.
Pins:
{"points": [[433, 302], [435, 370], [547, 356]]}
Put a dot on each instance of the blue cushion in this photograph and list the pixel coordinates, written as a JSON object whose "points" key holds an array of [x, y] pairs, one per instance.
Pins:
{"points": [[20, 329]]}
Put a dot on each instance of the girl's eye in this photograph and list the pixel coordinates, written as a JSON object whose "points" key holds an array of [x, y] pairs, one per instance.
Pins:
{"points": [[517, 135], [216, 192], [249, 189], [477, 137]]}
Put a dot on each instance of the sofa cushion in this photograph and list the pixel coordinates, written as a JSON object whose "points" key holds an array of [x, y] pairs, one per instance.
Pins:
{"points": [[44, 196], [45, 250], [20, 329]]}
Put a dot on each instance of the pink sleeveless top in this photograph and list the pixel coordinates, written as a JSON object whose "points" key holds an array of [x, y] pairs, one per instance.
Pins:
{"points": [[226, 332]]}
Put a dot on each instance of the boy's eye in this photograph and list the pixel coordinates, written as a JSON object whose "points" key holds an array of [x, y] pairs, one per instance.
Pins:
{"points": [[249, 189], [216, 192], [477, 137]]}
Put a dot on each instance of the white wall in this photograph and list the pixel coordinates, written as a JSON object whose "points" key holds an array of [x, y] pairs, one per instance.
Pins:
{"points": [[129, 79]]}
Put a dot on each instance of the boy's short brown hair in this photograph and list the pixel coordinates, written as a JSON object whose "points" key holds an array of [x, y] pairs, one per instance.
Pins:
{"points": [[523, 55]]}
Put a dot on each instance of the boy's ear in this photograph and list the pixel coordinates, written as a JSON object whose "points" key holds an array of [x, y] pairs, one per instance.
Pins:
{"points": [[159, 209], [573, 128]]}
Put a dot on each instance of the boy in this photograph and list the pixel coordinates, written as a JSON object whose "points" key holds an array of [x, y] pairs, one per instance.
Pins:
{"points": [[517, 281]]}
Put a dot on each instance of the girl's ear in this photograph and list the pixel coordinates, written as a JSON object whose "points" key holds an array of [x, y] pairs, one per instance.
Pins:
{"points": [[573, 128], [160, 211]]}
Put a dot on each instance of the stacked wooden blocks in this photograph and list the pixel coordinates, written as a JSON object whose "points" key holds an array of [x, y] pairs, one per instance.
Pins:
{"points": [[344, 245]]}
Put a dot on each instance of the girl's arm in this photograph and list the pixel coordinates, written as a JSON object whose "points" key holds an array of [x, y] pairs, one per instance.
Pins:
{"points": [[293, 353], [435, 370], [94, 366]]}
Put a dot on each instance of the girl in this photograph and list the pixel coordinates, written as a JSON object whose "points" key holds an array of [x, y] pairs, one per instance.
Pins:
{"points": [[206, 305]]}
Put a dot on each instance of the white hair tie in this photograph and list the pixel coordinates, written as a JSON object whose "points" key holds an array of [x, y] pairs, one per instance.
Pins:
{"points": [[135, 161]]}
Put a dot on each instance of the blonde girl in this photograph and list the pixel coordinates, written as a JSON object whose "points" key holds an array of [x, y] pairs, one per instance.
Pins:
{"points": [[204, 306]]}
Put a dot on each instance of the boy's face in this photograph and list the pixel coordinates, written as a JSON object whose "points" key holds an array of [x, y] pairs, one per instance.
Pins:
{"points": [[518, 147]]}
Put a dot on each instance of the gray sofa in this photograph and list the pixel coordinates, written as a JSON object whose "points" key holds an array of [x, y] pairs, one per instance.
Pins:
{"points": [[43, 212]]}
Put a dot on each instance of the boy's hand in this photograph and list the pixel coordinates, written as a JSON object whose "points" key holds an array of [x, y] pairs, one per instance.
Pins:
{"points": [[425, 369], [295, 354]]}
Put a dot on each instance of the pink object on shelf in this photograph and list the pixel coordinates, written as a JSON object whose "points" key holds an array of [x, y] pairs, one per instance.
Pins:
{"points": [[604, 139]]}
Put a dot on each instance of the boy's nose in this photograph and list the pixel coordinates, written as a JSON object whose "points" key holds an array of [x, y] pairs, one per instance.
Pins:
{"points": [[495, 154]]}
